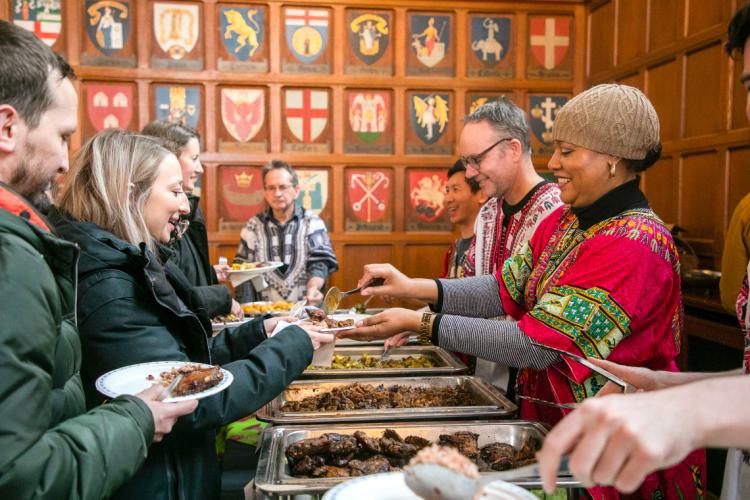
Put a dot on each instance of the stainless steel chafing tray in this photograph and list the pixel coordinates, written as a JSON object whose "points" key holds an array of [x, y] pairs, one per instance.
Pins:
{"points": [[274, 477], [490, 403], [445, 363]]}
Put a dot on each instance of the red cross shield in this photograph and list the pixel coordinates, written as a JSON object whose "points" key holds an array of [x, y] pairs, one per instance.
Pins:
{"points": [[550, 39], [306, 113]]}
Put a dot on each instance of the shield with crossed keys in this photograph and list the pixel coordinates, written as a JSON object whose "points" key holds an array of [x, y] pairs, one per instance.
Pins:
{"points": [[369, 194]]}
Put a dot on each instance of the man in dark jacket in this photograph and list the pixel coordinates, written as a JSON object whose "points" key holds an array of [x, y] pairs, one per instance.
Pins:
{"points": [[51, 448]]}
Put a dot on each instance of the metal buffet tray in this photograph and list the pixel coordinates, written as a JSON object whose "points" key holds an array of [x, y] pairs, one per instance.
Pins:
{"points": [[493, 404], [273, 476], [445, 363]]}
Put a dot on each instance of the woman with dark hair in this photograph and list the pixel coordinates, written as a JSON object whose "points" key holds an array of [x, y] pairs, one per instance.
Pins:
{"points": [[121, 204], [599, 278], [191, 249]]}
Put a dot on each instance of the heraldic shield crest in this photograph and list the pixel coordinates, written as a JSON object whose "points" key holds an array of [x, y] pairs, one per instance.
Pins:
{"points": [[543, 111], [429, 116], [109, 105], [177, 28], [243, 112], [369, 34], [306, 113], [490, 38], [313, 190], [41, 17], [368, 114], [178, 105], [241, 31], [241, 194], [108, 24], [427, 194], [306, 32], [430, 36], [549, 39], [369, 194]]}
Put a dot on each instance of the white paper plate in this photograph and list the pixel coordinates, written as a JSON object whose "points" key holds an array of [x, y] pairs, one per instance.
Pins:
{"points": [[133, 379], [258, 270], [385, 486], [356, 317], [337, 329], [502, 490]]}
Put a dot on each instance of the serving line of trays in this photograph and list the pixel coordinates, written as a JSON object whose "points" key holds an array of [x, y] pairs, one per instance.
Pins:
{"points": [[489, 402], [273, 476]]}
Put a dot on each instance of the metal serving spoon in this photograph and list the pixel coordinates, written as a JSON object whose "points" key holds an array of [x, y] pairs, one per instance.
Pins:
{"points": [[333, 296], [436, 482]]}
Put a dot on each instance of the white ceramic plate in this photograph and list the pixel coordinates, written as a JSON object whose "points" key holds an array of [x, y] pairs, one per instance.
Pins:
{"points": [[386, 486], [133, 379], [258, 270]]}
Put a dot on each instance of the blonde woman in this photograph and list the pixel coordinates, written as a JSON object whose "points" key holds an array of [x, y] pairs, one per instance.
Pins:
{"points": [[121, 204]]}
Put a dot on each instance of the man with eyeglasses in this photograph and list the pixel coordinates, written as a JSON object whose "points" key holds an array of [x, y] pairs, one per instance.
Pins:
{"points": [[495, 147], [288, 233]]}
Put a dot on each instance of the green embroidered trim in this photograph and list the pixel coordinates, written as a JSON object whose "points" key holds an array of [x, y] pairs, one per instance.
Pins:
{"points": [[516, 271], [590, 387], [589, 317]]}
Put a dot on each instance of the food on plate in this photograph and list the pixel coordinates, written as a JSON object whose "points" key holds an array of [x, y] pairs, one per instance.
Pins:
{"points": [[266, 307], [447, 457], [343, 455], [367, 397], [366, 361], [227, 318], [196, 378], [318, 317], [245, 266], [360, 308]]}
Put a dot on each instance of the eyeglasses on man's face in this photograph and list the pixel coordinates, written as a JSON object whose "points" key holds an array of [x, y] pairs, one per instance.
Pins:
{"points": [[474, 161]]}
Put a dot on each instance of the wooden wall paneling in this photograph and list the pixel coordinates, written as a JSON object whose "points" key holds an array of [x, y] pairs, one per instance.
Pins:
{"points": [[634, 80], [631, 29], [662, 188], [663, 87], [666, 21], [601, 38], [702, 14], [706, 114], [355, 257], [702, 198]]}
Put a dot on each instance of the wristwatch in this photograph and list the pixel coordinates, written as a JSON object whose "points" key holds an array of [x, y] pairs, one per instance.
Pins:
{"points": [[425, 330]]}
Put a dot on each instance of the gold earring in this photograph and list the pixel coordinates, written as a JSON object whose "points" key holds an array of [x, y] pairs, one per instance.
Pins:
{"points": [[611, 170]]}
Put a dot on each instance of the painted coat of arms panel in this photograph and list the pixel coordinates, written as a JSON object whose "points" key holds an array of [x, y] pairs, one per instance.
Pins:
{"points": [[476, 99], [243, 122], [370, 44], [430, 47], [177, 35], [542, 112], [109, 105], [44, 18], [308, 38], [178, 104], [550, 47], [240, 195], [369, 121], [243, 37], [425, 200], [314, 192], [491, 50], [307, 120], [109, 38], [369, 195], [429, 117]]}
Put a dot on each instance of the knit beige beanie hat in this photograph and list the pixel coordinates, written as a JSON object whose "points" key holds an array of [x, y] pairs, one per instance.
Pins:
{"points": [[610, 119]]}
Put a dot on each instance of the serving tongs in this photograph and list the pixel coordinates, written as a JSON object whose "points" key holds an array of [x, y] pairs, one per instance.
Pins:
{"points": [[333, 296], [437, 481], [626, 387]]}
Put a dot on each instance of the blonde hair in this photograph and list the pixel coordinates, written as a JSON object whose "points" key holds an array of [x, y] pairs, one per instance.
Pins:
{"points": [[110, 181]]}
